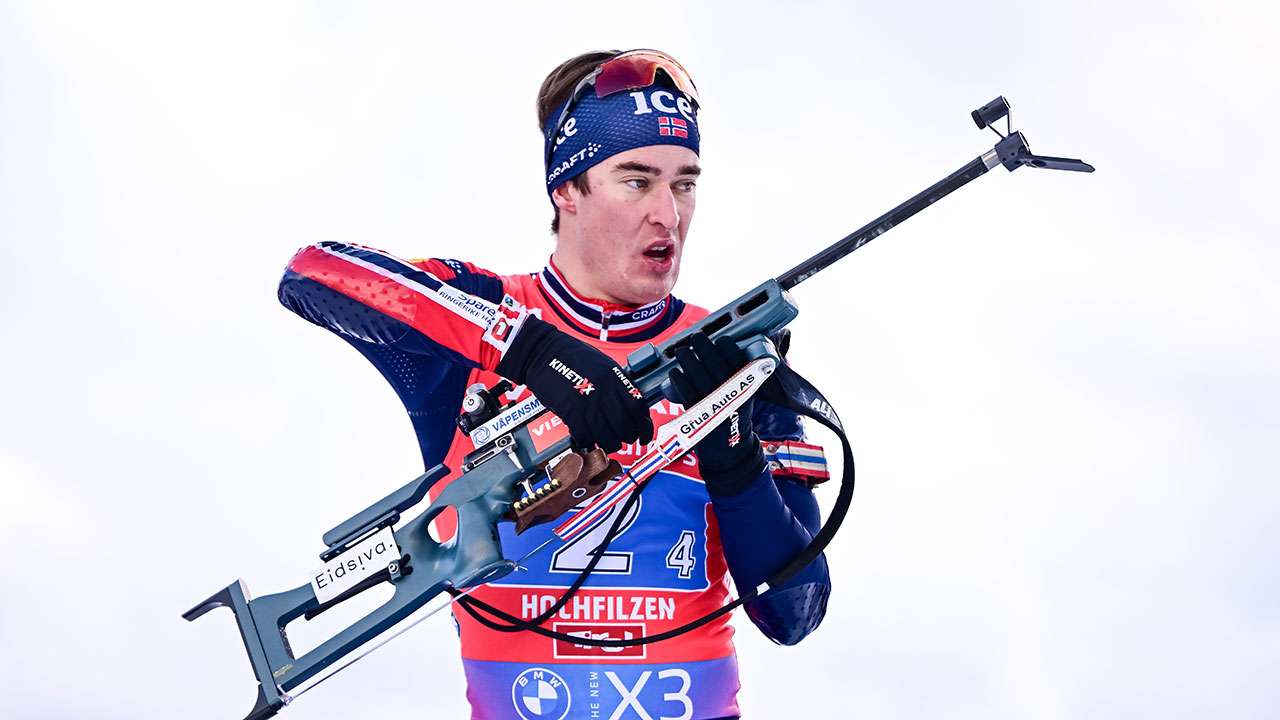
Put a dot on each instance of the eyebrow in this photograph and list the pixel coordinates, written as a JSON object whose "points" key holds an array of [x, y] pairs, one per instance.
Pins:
{"points": [[633, 166]]}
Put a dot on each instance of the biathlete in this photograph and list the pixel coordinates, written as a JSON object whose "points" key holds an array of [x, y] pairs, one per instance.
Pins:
{"points": [[621, 142]]}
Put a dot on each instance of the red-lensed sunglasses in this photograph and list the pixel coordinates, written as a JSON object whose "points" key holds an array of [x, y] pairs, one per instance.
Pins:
{"points": [[631, 70]]}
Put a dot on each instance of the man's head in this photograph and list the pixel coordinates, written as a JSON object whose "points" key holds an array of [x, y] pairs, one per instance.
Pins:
{"points": [[624, 188]]}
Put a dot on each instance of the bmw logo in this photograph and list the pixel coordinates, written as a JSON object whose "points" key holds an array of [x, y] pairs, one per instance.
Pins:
{"points": [[540, 694]]}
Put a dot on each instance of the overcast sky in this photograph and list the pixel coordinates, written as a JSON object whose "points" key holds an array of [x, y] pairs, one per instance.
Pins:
{"points": [[1062, 388]]}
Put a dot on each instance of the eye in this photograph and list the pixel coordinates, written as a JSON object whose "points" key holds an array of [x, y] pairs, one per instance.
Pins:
{"points": [[686, 186], [636, 183]]}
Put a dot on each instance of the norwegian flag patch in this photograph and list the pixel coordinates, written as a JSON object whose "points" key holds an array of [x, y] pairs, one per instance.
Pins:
{"points": [[673, 126], [802, 461]]}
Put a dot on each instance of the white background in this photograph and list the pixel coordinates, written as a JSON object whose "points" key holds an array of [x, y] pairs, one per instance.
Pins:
{"points": [[1062, 388]]}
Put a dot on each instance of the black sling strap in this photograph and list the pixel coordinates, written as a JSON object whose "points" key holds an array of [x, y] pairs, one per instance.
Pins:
{"points": [[786, 389]]}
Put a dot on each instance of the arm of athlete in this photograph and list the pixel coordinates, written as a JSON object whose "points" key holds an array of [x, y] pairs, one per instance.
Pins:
{"points": [[770, 518], [764, 520], [462, 314]]}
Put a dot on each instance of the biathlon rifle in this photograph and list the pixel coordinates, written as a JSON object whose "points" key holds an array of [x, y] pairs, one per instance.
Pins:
{"points": [[511, 477]]}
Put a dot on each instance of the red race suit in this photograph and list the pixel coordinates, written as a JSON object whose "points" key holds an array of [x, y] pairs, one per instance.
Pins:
{"points": [[436, 327]]}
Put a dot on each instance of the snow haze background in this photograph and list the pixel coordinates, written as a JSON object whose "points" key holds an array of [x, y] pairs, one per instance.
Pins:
{"points": [[1062, 388]]}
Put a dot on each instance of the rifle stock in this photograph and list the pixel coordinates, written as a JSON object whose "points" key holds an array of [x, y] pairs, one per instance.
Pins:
{"points": [[492, 479]]}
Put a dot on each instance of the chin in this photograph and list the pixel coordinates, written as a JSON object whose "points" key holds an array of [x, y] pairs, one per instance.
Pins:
{"points": [[643, 286], [645, 293], [655, 289]]}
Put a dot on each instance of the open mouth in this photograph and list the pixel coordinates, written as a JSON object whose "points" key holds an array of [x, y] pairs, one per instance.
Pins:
{"points": [[660, 251]]}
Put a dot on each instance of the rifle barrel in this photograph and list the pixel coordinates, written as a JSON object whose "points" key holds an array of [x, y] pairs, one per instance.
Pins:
{"points": [[886, 222]]}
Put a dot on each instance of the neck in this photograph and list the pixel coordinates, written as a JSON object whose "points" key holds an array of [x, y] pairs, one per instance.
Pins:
{"points": [[603, 319]]}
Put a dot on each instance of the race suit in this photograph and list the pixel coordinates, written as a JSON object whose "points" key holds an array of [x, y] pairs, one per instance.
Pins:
{"points": [[425, 324]]}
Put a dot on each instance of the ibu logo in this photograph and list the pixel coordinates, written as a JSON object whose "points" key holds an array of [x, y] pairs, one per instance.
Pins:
{"points": [[540, 694]]}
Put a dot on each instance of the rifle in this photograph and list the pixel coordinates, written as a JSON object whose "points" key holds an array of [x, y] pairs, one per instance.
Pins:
{"points": [[373, 547]]}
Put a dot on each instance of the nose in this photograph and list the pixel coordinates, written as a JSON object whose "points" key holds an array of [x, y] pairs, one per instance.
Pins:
{"points": [[663, 209]]}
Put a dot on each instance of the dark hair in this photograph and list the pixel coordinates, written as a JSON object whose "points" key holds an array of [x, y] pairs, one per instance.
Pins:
{"points": [[555, 88]]}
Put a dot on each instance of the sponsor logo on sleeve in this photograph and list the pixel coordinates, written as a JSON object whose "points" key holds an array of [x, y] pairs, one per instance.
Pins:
{"points": [[506, 320], [476, 309]]}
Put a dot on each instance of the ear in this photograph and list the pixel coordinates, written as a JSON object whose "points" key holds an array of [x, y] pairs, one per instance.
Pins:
{"points": [[566, 197]]}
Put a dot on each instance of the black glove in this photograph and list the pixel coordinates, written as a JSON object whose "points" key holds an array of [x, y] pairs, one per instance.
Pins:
{"points": [[730, 457], [590, 393]]}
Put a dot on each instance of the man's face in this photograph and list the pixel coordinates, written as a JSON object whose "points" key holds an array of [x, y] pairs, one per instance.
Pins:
{"points": [[622, 242]]}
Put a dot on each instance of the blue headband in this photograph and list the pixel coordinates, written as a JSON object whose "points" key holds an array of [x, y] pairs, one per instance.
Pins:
{"points": [[600, 128]]}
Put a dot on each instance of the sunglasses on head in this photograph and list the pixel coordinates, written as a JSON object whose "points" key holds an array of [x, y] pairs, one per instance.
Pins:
{"points": [[631, 70]]}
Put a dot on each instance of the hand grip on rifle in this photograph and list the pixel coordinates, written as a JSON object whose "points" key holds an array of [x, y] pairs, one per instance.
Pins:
{"points": [[731, 454], [580, 384]]}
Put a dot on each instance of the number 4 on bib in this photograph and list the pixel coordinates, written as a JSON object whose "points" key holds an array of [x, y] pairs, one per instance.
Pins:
{"points": [[680, 557]]}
